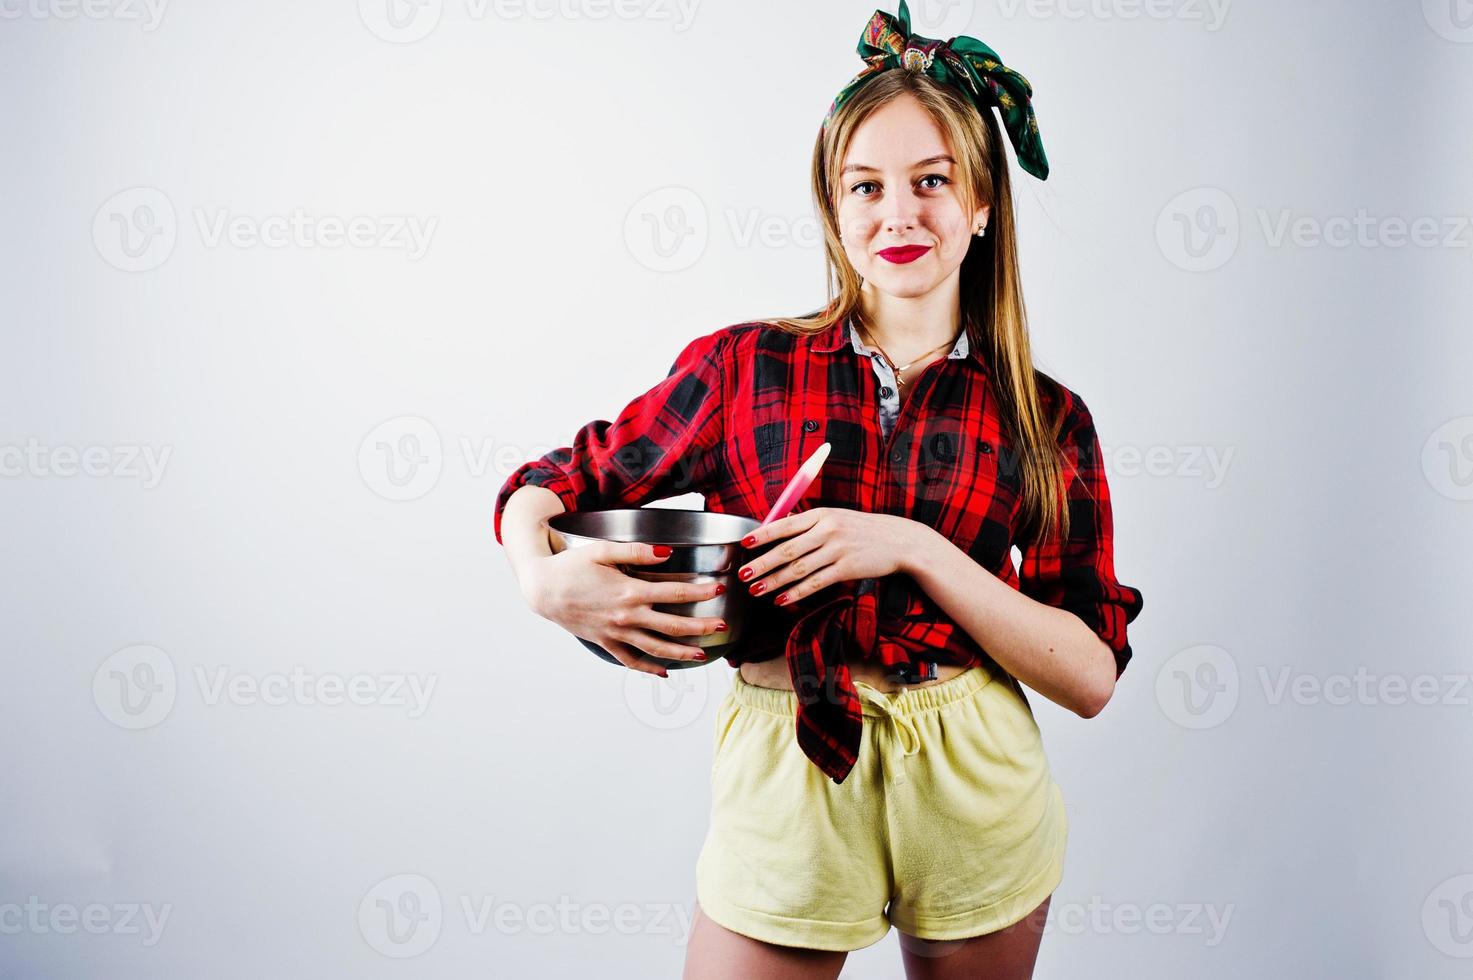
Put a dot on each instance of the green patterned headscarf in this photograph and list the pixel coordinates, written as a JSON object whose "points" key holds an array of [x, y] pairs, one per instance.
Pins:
{"points": [[964, 62]]}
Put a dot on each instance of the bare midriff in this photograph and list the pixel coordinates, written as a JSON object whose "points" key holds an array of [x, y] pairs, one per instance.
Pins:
{"points": [[774, 673]]}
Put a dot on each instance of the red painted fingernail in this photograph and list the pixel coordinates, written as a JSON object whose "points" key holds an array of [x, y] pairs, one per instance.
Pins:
{"points": [[662, 551], [664, 673], [782, 600], [757, 589], [722, 627], [745, 574], [720, 588], [749, 540]]}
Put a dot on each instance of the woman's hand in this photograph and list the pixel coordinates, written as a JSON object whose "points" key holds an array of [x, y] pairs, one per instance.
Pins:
{"points": [[826, 545], [582, 591]]}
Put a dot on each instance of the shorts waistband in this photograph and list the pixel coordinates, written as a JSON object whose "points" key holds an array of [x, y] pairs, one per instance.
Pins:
{"points": [[907, 701]]}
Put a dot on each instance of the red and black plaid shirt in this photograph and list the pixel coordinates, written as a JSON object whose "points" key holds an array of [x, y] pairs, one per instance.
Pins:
{"points": [[742, 408]]}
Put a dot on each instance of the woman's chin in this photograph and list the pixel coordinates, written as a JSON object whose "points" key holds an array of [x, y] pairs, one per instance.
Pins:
{"points": [[902, 284]]}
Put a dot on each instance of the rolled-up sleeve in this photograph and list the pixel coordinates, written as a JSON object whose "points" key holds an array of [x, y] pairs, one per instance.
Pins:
{"points": [[665, 442], [1077, 573]]}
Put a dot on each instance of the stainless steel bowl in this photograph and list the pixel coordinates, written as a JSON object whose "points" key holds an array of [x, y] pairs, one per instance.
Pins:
{"points": [[706, 548]]}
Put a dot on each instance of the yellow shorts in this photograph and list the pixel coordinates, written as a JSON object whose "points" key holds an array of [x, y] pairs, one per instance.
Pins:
{"points": [[949, 826]]}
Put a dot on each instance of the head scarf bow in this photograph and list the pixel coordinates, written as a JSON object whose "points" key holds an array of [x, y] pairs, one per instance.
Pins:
{"points": [[962, 61]]}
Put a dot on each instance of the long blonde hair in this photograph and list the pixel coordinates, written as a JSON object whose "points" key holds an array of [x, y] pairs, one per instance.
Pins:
{"points": [[992, 307]]}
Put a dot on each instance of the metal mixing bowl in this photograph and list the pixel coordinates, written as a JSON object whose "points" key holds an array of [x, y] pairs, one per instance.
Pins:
{"points": [[706, 548]]}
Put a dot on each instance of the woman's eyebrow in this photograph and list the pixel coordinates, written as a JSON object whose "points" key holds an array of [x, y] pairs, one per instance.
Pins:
{"points": [[943, 158]]}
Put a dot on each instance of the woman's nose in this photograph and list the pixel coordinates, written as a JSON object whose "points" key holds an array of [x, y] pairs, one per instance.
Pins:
{"points": [[902, 214]]}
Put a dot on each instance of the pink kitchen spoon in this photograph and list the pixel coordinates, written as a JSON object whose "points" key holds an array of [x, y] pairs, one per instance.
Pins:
{"points": [[798, 485]]}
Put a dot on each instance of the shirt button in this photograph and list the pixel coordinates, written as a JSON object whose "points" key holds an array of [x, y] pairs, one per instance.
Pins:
{"points": [[885, 392], [809, 425], [895, 456]]}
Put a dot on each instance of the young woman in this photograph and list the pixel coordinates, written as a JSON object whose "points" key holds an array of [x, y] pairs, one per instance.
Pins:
{"points": [[877, 762]]}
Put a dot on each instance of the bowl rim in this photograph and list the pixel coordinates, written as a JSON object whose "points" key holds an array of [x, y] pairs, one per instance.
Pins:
{"points": [[546, 525]]}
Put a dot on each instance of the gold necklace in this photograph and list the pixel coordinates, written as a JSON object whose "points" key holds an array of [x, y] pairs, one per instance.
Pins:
{"points": [[864, 336]]}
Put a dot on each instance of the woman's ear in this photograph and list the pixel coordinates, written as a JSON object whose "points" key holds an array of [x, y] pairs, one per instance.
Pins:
{"points": [[981, 217]]}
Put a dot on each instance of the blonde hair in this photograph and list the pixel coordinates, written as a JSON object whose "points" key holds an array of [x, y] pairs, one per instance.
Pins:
{"points": [[992, 307]]}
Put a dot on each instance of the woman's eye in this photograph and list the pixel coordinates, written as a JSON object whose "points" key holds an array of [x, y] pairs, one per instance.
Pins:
{"points": [[856, 189]]}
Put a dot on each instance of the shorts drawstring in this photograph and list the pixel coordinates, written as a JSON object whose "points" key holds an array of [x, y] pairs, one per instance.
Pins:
{"points": [[909, 737]]}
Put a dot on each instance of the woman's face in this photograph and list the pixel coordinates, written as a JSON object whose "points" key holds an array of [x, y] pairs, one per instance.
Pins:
{"points": [[898, 188]]}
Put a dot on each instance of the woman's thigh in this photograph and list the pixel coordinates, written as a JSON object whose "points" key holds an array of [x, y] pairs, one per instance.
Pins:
{"points": [[1007, 954], [716, 953]]}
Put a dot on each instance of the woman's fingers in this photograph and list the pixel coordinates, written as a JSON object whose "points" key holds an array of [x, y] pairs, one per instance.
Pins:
{"points": [[814, 581], [657, 646], [632, 658], [672, 624], [781, 556], [797, 570], [673, 592], [641, 635], [630, 553]]}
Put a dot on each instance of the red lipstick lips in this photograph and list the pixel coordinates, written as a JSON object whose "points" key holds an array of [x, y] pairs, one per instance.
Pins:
{"points": [[904, 253]]}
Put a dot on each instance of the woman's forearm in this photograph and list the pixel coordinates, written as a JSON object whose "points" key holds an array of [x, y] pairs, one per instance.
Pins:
{"points": [[1050, 650], [523, 538]]}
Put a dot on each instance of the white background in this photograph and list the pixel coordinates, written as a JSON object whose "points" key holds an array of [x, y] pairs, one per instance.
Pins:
{"points": [[329, 422]]}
